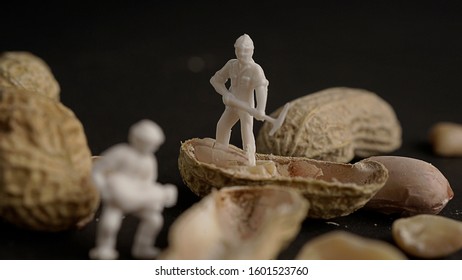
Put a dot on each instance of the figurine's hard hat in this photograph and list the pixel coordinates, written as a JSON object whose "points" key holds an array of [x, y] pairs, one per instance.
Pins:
{"points": [[244, 42]]}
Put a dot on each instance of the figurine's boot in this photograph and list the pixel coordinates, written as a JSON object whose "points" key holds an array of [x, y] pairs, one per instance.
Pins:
{"points": [[103, 253], [143, 247], [250, 153], [106, 235]]}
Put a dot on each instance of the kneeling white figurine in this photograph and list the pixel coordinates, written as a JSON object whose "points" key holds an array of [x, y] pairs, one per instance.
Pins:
{"points": [[126, 176]]}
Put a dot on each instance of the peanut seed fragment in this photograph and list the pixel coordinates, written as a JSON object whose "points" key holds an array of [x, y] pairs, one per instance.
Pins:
{"points": [[446, 139], [342, 245], [428, 236]]}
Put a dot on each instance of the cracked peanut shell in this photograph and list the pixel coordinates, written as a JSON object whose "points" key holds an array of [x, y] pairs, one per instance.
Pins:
{"points": [[335, 124], [45, 164], [238, 223], [332, 189]]}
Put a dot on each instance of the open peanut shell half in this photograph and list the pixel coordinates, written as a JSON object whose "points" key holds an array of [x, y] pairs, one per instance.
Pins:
{"points": [[238, 223], [332, 189]]}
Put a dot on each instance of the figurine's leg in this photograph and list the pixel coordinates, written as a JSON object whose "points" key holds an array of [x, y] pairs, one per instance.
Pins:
{"points": [[248, 139], [106, 237], [146, 234], [224, 125]]}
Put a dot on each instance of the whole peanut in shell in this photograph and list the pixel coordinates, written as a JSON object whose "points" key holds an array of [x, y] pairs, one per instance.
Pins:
{"points": [[45, 164], [413, 187], [26, 71], [335, 124]]}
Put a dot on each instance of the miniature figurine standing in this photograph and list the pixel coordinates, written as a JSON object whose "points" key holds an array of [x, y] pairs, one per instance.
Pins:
{"points": [[126, 176], [246, 77]]}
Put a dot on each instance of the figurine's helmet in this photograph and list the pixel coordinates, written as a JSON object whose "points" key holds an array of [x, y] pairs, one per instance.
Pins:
{"points": [[244, 42], [147, 135]]}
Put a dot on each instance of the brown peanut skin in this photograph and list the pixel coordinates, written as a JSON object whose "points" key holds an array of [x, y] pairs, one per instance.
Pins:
{"points": [[413, 187]]}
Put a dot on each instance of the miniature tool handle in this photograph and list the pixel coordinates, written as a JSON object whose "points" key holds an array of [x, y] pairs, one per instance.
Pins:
{"points": [[276, 122]]}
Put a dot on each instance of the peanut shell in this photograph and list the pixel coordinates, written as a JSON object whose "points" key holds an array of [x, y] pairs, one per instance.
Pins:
{"points": [[45, 164], [335, 124], [238, 223], [332, 189], [24, 70]]}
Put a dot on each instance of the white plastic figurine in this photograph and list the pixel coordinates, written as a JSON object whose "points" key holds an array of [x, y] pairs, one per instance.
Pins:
{"points": [[246, 78], [126, 175]]}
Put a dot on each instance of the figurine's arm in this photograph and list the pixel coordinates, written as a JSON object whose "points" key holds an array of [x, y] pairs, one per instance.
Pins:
{"points": [[107, 163], [218, 80], [219, 85], [98, 176]]}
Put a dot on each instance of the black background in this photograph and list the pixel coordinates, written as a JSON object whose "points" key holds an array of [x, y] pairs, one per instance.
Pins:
{"points": [[119, 62]]}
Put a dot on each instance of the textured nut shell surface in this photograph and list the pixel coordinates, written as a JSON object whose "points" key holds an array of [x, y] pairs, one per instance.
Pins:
{"points": [[413, 187], [45, 164], [24, 70], [342, 245], [339, 191], [238, 223], [428, 236], [334, 124]]}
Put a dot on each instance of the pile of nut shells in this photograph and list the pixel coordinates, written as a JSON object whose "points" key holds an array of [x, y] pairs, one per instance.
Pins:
{"points": [[45, 162], [311, 154]]}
